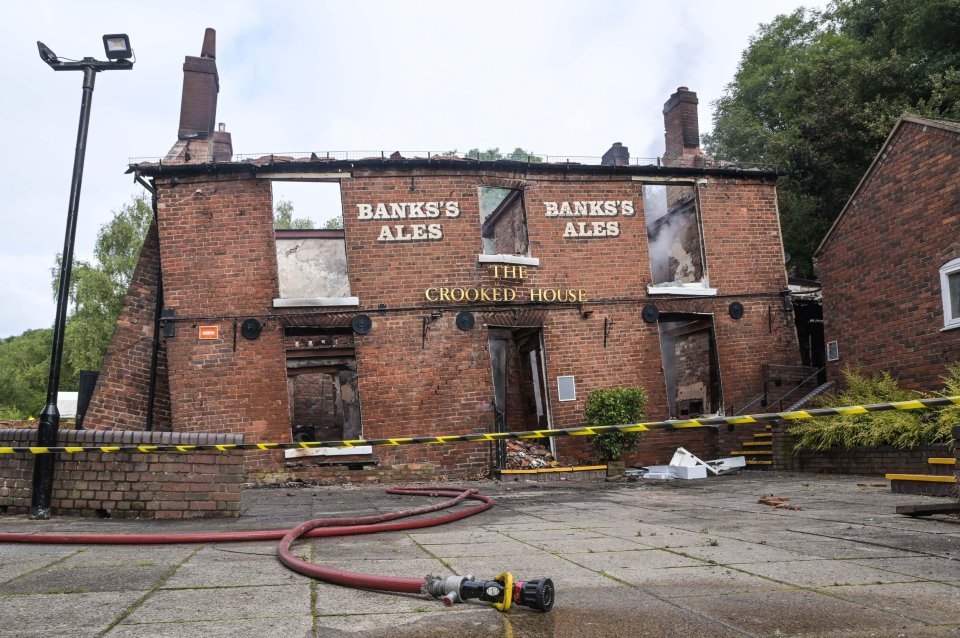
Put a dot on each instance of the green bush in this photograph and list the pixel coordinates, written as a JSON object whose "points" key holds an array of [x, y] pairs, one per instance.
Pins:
{"points": [[903, 429], [615, 406]]}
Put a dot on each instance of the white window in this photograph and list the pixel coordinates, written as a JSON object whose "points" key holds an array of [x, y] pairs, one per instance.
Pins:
{"points": [[950, 289]]}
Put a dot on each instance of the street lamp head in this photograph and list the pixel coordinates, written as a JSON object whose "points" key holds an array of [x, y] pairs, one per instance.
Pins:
{"points": [[46, 54], [117, 46]]}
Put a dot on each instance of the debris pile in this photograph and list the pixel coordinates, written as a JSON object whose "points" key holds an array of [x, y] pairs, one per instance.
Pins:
{"points": [[778, 502], [528, 455]]}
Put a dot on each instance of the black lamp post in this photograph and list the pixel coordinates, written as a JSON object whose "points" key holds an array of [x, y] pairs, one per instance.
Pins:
{"points": [[118, 53]]}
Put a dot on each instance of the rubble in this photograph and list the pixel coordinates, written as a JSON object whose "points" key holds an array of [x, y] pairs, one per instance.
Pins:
{"points": [[528, 455]]}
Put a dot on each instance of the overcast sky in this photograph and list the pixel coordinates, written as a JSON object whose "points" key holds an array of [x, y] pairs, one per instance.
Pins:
{"points": [[555, 77]]}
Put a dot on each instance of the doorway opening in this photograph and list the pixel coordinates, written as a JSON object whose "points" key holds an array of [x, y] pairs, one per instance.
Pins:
{"points": [[520, 400], [322, 384], [691, 369]]}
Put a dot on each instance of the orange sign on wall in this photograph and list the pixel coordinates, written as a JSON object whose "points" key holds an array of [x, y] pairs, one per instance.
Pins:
{"points": [[209, 332]]}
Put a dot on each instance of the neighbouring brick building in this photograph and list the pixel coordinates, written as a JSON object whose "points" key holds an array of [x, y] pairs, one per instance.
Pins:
{"points": [[890, 265], [460, 297]]}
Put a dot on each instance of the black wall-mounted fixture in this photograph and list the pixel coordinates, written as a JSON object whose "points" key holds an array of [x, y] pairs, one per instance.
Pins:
{"points": [[250, 329], [787, 300], [465, 320], [167, 317], [736, 310], [361, 324], [650, 313]]}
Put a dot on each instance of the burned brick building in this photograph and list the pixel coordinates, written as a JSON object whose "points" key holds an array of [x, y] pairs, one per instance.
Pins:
{"points": [[461, 296]]}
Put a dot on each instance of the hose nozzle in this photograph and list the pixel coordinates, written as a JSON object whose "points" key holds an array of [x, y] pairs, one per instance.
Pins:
{"points": [[501, 592]]}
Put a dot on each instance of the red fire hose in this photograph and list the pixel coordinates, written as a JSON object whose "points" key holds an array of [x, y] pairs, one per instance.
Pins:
{"points": [[462, 587]]}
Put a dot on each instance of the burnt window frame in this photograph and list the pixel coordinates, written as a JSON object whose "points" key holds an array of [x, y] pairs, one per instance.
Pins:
{"points": [[702, 286], [516, 192]]}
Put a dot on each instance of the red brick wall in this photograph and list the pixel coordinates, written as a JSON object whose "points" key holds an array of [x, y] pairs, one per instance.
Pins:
{"points": [[219, 267], [880, 268], [127, 485], [120, 398], [444, 385], [218, 256]]}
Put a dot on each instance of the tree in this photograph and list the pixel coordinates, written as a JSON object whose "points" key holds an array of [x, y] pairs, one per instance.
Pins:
{"points": [[283, 216], [334, 222], [24, 366], [98, 288], [518, 155], [817, 92]]}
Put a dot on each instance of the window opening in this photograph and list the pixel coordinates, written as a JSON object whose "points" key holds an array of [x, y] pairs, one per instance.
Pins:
{"points": [[691, 369], [950, 289], [674, 234], [302, 205], [310, 246], [503, 221], [322, 384]]}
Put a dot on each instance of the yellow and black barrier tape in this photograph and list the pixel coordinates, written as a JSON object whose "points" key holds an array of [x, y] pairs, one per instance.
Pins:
{"points": [[795, 415]]}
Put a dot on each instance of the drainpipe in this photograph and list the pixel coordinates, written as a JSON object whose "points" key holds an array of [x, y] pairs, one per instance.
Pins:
{"points": [[152, 390]]}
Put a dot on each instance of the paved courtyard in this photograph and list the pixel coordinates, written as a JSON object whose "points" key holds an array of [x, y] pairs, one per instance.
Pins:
{"points": [[684, 558]]}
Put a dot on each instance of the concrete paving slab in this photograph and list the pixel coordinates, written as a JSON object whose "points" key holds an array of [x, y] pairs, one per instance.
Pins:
{"points": [[506, 547], [823, 573], [290, 627], [62, 579], [75, 615], [942, 605], [712, 580], [794, 612], [584, 536], [727, 551], [224, 564], [223, 603], [923, 567]]}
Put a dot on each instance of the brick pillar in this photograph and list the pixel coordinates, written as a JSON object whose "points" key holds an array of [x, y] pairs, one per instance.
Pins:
{"points": [[681, 127]]}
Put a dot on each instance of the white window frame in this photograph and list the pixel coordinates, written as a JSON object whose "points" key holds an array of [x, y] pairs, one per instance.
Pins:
{"points": [[952, 267]]}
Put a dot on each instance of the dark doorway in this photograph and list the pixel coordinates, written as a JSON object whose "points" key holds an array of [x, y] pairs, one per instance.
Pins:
{"points": [[691, 369], [520, 400], [322, 384]]}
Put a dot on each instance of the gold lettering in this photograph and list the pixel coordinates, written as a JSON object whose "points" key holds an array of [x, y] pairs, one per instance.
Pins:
{"points": [[444, 294], [455, 292], [476, 294], [496, 294], [581, 295], [509, 294], [484, 294], [427, 294], [536, 294]]}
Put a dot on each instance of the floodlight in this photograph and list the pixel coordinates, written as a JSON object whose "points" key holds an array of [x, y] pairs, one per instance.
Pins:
{"points": [[117, 46]]}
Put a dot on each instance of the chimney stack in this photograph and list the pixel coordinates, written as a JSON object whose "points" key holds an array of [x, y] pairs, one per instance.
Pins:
{"points": [[618, 155], [681, 127], [198, 141]]}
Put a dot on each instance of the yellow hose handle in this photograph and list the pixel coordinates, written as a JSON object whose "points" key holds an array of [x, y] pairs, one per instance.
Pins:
{"points": [[506, 578]]}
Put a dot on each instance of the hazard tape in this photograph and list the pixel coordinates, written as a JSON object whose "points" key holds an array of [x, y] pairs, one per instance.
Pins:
{"points": [[796, 415]]}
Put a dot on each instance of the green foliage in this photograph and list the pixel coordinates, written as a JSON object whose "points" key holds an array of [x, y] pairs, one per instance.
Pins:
{"points": [[283, 217], [334, 223], [518, 155], [97, 289], [24, 366], [817, 93], [949, 416], [615, 406], [903, 429]]}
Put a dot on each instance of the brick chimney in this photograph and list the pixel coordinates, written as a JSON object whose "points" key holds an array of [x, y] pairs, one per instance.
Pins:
{"points": [[681, 127], [618, 155], [199, 140]]}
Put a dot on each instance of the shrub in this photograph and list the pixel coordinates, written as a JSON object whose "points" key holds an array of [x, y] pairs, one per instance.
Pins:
{"points": [[615, 406], [903, 429]]}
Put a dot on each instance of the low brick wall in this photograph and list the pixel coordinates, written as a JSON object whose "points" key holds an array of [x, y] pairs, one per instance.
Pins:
{"points": [[875, 461], [124, 484]]}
